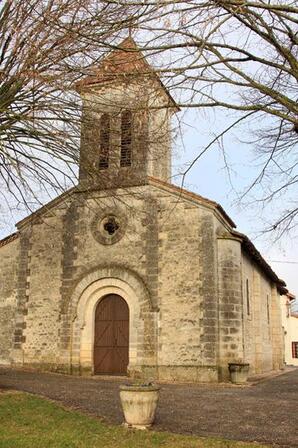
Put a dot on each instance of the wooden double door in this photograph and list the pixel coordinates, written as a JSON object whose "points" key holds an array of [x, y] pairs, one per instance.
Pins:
{"points": [[111, 336]]}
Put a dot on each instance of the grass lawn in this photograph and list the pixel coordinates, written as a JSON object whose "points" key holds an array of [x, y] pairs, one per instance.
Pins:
{"points": [[27, 421]]}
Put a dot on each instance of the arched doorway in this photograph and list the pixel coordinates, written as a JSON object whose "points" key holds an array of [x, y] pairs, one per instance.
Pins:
{"points": [[111, 336]]}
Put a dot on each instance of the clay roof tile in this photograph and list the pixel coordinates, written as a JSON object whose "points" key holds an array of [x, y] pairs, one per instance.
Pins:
{"points": [[125, 60], [8, 239]]}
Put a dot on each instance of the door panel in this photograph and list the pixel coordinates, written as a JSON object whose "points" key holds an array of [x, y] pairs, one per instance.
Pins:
{"points": [[111, 336]]}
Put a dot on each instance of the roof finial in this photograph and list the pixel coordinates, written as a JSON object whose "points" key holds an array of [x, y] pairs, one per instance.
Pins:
{"points": [[131, 27]]}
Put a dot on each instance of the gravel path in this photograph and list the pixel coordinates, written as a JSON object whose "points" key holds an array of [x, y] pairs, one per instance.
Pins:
{"points": [[266, 412]]}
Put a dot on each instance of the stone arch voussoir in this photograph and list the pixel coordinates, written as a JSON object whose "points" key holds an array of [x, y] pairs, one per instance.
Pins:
{"points": [[114, 271], [88, 292]]}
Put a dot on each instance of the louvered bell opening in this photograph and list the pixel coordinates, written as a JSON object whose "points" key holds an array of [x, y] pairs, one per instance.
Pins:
{"points": [[104, 141], [126, 138]]}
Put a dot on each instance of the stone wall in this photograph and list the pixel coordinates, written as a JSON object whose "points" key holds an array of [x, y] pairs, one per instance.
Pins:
{"points": [[151, 136], [8, 297], [187, 292], [168, 244], [174, 262], [263, 339], [276, 330], [60, 250], [42, 308], [134, 252], [230, 319]]}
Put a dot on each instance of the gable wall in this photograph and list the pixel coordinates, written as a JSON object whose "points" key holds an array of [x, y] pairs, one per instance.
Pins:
{"points": [[193, 324], [169, 244]]}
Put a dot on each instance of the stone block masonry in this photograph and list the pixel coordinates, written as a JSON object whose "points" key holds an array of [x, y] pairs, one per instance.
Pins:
{"points": [[230, 313], [177, 266], [9, 336]]}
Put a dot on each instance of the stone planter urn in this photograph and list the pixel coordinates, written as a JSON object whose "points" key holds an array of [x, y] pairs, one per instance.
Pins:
{"points": [[238, 372], [139, 404]]}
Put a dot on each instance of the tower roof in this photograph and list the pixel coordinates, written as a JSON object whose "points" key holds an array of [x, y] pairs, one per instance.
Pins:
{"points": [[124, 61]]}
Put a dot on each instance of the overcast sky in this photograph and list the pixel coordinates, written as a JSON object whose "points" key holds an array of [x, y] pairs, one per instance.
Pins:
{"points": [[210, 178]]}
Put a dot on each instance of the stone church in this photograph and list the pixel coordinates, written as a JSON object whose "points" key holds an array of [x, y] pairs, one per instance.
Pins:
{"points": [[127, 273]]}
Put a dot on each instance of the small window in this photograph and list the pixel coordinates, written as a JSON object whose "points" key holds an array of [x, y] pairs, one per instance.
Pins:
{"points": [[126, 138], [247, 297], [104, 141], [268, 310], [294, 349]]}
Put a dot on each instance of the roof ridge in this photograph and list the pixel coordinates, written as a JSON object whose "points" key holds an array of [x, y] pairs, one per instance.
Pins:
{"points": [[253, 251], [182, 189], [194, 196], [48, 206]]}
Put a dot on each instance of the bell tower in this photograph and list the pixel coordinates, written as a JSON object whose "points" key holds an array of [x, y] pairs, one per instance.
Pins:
{"points": [[126, 134]]}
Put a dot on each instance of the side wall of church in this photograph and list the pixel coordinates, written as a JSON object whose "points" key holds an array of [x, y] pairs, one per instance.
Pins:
{"points": [[249, 312], [263, 342], [8, 296]]}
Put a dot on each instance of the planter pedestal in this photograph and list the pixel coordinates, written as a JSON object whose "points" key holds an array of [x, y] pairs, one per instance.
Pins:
{"points": [[139, 405], [238, 372]]}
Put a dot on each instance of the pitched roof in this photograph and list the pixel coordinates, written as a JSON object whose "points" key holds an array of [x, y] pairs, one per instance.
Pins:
{"points": [[9, 238], [123, 61], [291, 296], [251, 249], [189, 194], [45, 208]]}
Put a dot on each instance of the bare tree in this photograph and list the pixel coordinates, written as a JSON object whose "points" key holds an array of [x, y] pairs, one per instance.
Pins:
{"points": [[46, 46], [239, 56], [233, 55]]}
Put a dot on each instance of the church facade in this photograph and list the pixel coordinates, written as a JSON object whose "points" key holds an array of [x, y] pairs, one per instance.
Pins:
{"points": [[127, 273]]}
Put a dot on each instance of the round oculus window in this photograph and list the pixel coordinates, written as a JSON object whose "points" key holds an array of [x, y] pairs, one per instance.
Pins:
{"points": [[108, 226]]}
